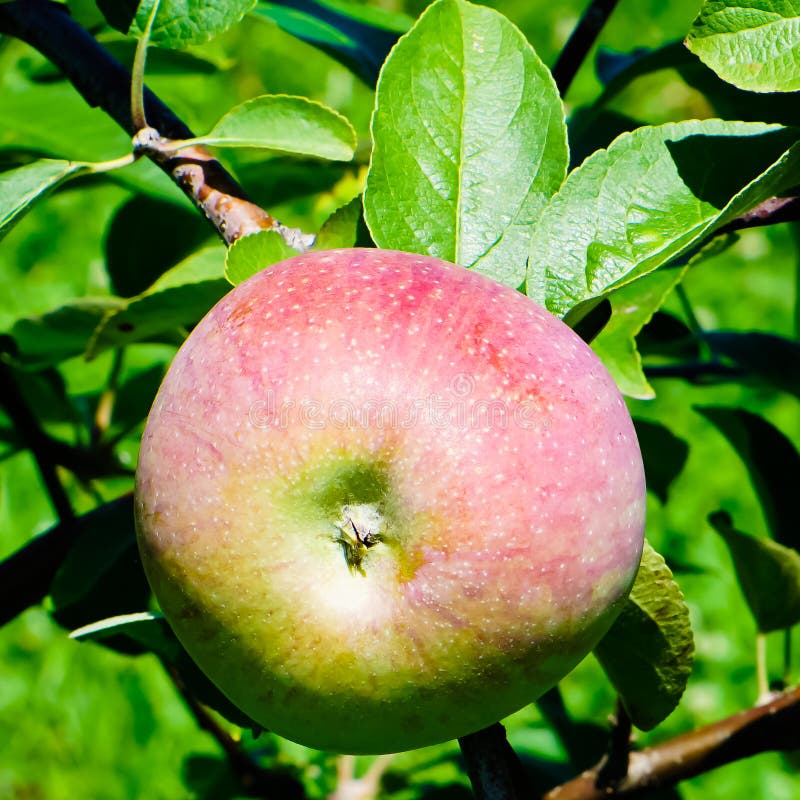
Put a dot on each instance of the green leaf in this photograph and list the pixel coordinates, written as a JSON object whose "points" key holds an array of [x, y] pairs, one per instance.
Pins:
{"points": [[26, 575], [772, 359], [584, 742], [45, 393], [10, 442], [768, 573], [469, 142], [134, 261], [772, 462], [617, 70], [102, 573], [20, 188], [173, 63], [588, 319], [104, 537], [146, 630], [753, 44], [160, 62], [133, 401], [286, 65], [60, 334], [648, 652], [730, 102], [82, 134], [664, 455], [289, 124], [341, 228], [595, 126], [359, 36], [667, 336], [652, 196], [178, 298], [149, 632], [280, 179], [727, 101], [632, 308], [178, 23], [251, 254], [85, 13]]}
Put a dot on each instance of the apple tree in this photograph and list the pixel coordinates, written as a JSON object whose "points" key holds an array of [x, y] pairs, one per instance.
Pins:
{"points": [[634, 175]]}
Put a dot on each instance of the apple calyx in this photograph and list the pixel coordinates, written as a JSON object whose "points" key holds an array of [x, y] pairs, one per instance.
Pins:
{"points": [[358, 529]]}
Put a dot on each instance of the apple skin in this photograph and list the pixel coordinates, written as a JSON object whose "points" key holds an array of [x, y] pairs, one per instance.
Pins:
{"points": [[467, 430]]}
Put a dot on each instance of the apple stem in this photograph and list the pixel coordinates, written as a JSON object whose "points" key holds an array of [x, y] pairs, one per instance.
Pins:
{"points": [[494, 769], [359, 529], [617, 761]]}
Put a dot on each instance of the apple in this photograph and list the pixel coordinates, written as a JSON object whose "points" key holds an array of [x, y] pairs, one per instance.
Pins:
{"points": [[385, 501]]}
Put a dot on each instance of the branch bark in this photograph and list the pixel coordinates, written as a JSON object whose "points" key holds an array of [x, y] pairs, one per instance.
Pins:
{"points": [[616, 764], [773, 726], [26, 575], [771, 212], [492, 765], [580, 42], [33, 436], [103, 82], [257, 781], [698, 372]]}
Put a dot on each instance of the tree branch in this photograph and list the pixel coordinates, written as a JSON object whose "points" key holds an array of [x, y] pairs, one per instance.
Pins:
{"points": [[35, 439], [613, 769], [257, 781], [773, 726], [105, 83], [26, 575], [771, 212], [86, 463], [580, 42], [695, 371], [492, 765]]}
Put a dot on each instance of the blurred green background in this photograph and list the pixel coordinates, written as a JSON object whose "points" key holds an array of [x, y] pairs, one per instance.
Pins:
{"points": [[79, 721]]}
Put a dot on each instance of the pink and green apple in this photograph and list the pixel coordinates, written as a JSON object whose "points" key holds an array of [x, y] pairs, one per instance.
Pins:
{"points": [[385, 501]]}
